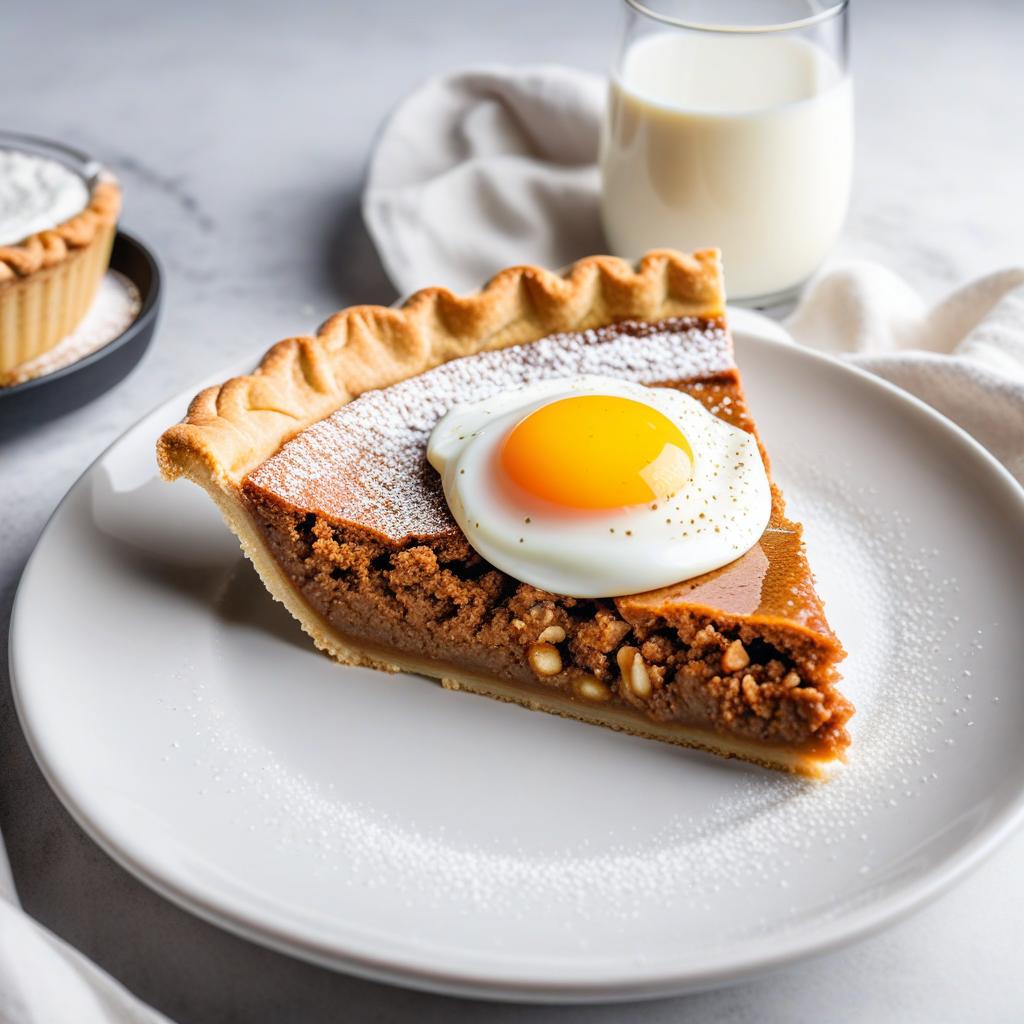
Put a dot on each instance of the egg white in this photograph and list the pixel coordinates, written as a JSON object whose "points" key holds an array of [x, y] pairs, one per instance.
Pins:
{"points": [[716, 517]]}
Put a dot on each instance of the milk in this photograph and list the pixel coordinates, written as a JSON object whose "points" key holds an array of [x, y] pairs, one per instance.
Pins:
{"points": [[743, 142]]}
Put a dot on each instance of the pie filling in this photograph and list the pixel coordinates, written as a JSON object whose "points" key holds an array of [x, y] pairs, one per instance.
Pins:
{"points": [[357, 521], [36, 194], [441, 601]]}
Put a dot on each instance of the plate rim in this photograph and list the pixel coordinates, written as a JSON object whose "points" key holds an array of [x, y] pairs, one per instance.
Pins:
{"points": [[420, 971]]}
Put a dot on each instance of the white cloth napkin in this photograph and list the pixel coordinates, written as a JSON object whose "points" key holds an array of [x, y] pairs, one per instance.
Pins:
{"points": [[43, 980], [495, 166], [963, 356], [483, 169]]}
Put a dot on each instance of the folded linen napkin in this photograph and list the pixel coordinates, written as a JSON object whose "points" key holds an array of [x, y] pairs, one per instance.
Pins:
{"points": [[963, 356], [489, 167], [484, 169], [43, 980]]}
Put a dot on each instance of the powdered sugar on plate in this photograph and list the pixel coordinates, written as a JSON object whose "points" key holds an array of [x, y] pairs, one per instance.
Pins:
{"points": [[762, 832]]}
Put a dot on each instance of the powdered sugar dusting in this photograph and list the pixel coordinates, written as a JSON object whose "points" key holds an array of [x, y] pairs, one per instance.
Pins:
{"points": [[366, 463], [764, 832]]}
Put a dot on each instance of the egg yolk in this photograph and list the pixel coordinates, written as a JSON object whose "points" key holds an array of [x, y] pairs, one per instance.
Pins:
{"points": [[597, 451]]}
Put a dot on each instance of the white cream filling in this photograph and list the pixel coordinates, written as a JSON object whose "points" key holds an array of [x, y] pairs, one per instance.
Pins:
{"points": [[36, 194]]}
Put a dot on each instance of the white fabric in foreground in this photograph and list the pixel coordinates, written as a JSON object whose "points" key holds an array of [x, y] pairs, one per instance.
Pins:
{"points": [[486, 168], [43, 980]]}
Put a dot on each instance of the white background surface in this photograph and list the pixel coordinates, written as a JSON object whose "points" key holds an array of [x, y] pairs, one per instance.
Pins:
{"points": [[240, 136]]}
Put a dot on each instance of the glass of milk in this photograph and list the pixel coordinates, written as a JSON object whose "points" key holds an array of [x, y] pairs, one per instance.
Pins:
{"points": [[730, 125]]}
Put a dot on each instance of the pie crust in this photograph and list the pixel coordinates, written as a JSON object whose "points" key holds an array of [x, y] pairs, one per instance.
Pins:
{"points": [[232, 428], [48, 280]]}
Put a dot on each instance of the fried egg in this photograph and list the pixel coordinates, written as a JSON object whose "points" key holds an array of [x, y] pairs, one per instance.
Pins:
{"points": [[591, 486]]}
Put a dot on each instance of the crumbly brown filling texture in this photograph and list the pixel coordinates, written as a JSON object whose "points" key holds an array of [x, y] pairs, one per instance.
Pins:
{"points": [[438, 599]]}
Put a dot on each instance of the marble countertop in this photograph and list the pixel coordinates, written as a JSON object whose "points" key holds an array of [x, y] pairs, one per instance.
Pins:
{"points": [[241, 132]]}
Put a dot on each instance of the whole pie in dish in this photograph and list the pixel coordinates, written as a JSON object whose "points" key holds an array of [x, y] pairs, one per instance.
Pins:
{"points": [[58, 217], [550, 492]]}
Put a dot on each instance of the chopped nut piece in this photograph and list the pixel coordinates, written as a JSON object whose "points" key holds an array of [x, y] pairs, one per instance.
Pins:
{"points": [[518, 624], [735, 657], [639, 680], [541, 613], [791, 680], [624, 656], [544, 660], [593, 689], [636, 679], [552, 635], [750, 689]]}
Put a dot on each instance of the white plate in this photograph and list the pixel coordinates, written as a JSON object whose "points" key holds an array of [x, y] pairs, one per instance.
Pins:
{"points": [[388, 827]]}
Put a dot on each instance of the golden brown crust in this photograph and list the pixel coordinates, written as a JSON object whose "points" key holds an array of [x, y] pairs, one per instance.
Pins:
{"points": [[46, 249], [230, 429]]}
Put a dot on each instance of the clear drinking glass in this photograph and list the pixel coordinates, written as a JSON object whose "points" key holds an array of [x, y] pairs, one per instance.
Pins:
{"points": [[730, 125]]}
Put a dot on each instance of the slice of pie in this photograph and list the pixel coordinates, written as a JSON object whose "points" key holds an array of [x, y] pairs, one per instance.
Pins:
{"points": [[318, 461]]}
